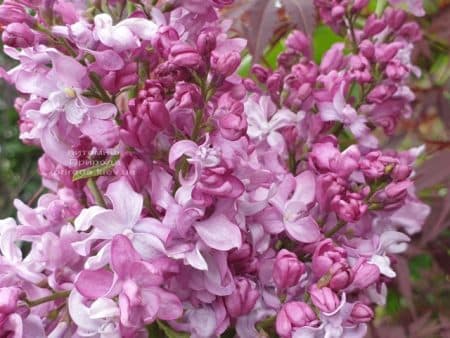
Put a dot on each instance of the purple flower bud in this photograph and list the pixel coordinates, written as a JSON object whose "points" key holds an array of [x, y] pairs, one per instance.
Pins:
{"points": [[206, 43], [294, 315], [333, 58], [393, 195], [18, 35], [298, 42], [341, 276], [374, 26], [396, 71], [287, 269], [232, 126], [243, 298], [358, 5], [401, 172], [381, 93], [184, 55], [367, 49], [347, 208], [410, 31], [167, 36], [337, 12], [365, 274], [386, 52], [8, 299], [115, 80], [137, 132], [395, 18], [12, 11], [188, 95], [324, 298], [156, 111], [260, 73], [226, 64], [134, 169], [361, 313], [325, 255]]}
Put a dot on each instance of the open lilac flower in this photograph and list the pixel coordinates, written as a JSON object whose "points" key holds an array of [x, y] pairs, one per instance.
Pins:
{"points": [[264, 121], [126, 34], [186, 198], [146, 234], [294, 199], [339, 110]]}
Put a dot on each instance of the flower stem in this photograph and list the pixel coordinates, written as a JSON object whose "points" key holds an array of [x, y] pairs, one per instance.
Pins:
{"points": [[98, 86], [53, 297], [95, 191], [338, 227]]}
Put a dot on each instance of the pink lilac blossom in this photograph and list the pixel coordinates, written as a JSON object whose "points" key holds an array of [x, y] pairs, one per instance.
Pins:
{"points": [[184, 197]]}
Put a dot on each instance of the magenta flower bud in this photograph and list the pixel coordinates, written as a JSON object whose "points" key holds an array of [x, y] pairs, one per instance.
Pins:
{"points": [[367, 49], [333, 58], [18, 35], [188, 95], [393, 195], [298, 42], [232, 126], [206, 43], [401, 172], [8, 299], [217, 181], [324, 298], [274, 83], [381, 93], [364, 275], [12, 11], [396, 71], [410, 31], [358, 5], [134, 169], [225, 65], [115, 80], [157, 112], [184, 55], [294, 315], [260, 73], [386, 52], [371, 166], [395, 18], [287, 269], [337, 12], [243, 298], [167, 36], [341, 276], [361, 313], [347, 208], [325, 255], [374, 26], [137, 132]]}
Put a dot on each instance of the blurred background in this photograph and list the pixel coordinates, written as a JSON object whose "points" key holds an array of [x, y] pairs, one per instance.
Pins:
{"points": [[418, 304]]}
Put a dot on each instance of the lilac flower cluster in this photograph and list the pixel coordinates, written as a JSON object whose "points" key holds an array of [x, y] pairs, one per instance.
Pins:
{"points": [[183, 197]]}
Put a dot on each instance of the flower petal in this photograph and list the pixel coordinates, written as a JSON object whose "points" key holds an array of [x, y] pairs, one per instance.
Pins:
{"points": [[304, 230], [219, 233]]}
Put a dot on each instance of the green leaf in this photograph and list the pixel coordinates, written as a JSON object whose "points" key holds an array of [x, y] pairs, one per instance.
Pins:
{"points": [[393, 302], [323, 39], [169, 332], [419, 263], [271, 56], [97, 170], [440, 69], [246, 64]]}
